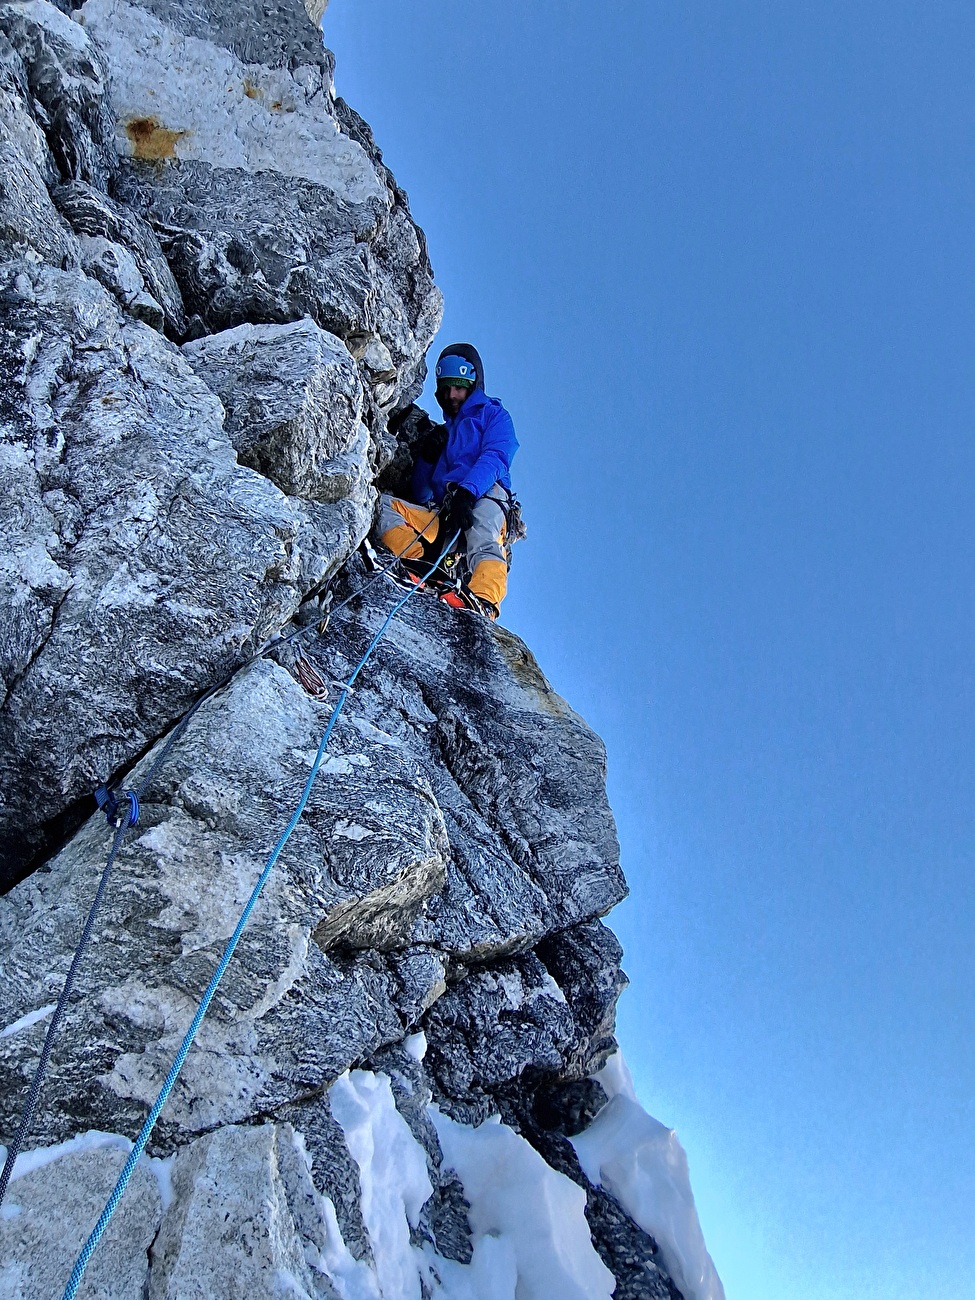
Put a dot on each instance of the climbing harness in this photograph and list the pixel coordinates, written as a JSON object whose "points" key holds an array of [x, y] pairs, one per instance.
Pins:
{"points": [[144, 1134], [122, 811], [449, 584]]}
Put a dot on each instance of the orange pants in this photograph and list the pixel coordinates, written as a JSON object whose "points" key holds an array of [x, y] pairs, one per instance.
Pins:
{"points": [[401, 523]]}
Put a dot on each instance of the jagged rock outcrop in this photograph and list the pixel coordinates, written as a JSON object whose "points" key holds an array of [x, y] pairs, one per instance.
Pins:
{"points": [[311, 226], [212, 300]]}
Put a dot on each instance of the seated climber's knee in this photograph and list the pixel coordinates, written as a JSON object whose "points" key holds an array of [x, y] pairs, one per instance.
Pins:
{"points": [[401, 526], [403, 541]]}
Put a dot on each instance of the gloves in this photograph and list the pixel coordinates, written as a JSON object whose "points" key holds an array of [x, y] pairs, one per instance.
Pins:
{"points": [[458, 512]]}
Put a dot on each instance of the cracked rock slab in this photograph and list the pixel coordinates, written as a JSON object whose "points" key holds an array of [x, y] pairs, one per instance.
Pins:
{"points": [[244, 1220], [28, 218], [289, 1016], [293, 402], [93, 215], [140, 559]]}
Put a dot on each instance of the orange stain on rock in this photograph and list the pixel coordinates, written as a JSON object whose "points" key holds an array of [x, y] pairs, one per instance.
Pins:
{"points": [[150, 140]]}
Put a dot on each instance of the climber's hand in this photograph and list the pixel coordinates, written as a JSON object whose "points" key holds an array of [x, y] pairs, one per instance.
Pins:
{"points": [[458, 511]]}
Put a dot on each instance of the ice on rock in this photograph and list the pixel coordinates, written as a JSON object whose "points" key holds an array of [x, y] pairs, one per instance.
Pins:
{"points": [[533, 1217], [640, 1162], [393, 1176]]}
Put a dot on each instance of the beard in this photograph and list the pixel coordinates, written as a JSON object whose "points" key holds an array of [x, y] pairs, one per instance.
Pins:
{"points": [[450, 405]]}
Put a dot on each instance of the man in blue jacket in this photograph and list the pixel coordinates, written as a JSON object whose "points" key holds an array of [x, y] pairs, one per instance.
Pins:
{"points": [[466, 474]]}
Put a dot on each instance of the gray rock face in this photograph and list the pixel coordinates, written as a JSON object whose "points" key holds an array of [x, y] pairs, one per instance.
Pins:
{"points": [[267, 210], [218, 1241], [212, 300], [51, 1210], [257, 31], [67, 83], [418, 855], [94, 217], [293, 402], [516, 1022], [28, 218], [142, 560]]}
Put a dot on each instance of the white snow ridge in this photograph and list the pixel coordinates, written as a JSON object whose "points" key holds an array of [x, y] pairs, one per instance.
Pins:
{"points": [[640, 1162], [530, 1237]]}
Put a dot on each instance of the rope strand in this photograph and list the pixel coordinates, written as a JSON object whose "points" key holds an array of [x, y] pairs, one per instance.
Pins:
{"points": [[135, 795], [34, 1092], [140, 1143]]}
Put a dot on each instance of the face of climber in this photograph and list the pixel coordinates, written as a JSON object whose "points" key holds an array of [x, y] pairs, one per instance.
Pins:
{"points": [[453, 398]]}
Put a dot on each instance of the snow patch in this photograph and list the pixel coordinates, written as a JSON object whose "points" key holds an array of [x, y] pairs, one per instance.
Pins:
{"points": [[615, 1078], [416, 1046], [531, 1240], [549, 989], [393, 1176], [354, 1279], [25, 1022], [640, 1162], [533, 1217]]}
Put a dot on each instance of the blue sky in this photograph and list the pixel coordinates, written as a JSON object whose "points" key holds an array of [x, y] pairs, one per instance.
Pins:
{"points": [[719, 260]]}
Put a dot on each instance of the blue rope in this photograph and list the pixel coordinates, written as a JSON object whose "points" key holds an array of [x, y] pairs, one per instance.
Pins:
{"points": [[108, 801], [140, 1143]]}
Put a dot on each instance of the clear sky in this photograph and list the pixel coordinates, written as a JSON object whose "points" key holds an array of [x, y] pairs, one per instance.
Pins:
{"points": [[719, 260]]}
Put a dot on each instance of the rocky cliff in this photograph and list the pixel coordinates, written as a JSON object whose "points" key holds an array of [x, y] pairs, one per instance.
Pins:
{"points": [[213, 299]]}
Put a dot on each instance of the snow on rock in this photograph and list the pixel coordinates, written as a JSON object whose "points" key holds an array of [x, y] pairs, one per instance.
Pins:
{"points": [[25, 1022], [537, 1214], [643, 1165], [392, 1175], [530, 1239]]}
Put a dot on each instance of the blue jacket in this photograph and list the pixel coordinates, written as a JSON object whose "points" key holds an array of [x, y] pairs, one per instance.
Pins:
{"points": [[481, 444]]}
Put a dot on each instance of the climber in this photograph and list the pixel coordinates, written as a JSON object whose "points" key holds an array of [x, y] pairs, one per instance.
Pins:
{"points": [[462, 469]]}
